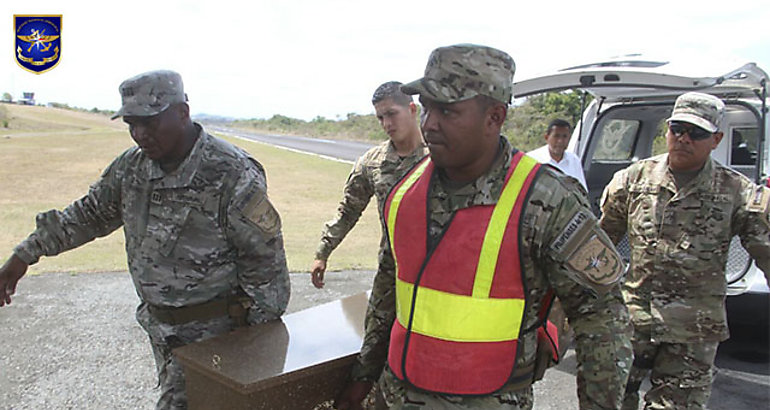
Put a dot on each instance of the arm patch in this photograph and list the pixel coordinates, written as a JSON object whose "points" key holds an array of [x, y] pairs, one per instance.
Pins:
{"points": [[573, 232], [759, 201], [595, 261], [588, 256], [261, 213]]}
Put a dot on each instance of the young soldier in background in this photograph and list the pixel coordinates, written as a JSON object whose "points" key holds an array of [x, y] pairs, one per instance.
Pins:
{"points": [[375, 172]]}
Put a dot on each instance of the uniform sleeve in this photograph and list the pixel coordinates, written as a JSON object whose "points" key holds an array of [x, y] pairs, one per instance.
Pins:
{"points": [[96, 214], [254, 230], [614, 205], [752, 222], [357, 193], [380, 315], [600, 320]]}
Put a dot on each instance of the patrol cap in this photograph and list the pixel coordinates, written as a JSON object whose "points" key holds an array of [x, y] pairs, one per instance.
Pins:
{"points": [[703, 110], [150, 93], [462, 71]]}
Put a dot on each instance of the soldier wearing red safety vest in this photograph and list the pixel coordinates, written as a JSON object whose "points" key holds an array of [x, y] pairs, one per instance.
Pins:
{"points": [[482, 238]]}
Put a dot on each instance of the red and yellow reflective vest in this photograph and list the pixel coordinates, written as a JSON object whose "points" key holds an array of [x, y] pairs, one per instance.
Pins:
{"points": [[460, 305]]}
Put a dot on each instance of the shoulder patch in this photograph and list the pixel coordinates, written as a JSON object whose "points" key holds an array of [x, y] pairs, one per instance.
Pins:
{"points": [[587, 254], [759, 199], [596, 261], [261, 213], [759, 202], [572, 233]]}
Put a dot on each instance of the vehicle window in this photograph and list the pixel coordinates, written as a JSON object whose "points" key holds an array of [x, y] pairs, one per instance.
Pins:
{"points": [[743, 143], [616, 141], [659, 142]]}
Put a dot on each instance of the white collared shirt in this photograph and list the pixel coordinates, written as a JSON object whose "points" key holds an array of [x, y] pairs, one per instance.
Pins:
{"points": [[569, 164]]}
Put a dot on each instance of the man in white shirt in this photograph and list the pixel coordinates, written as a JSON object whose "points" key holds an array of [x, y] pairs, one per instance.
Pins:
{"points": [[554, 152]]}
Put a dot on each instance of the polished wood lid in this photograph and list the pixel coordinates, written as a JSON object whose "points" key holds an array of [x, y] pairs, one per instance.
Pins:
{"points": [[262, 356]]}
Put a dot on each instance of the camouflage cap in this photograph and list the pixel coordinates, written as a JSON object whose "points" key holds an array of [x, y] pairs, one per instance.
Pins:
{"points": [[150, 93], [703, 110], [462, 71]]}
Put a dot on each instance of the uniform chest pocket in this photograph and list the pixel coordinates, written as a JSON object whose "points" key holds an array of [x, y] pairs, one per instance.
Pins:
{"points": [[704, 214], [717, 210], [700, 224], [380, 188], [167, 216], [641, 194], [643, 211]]}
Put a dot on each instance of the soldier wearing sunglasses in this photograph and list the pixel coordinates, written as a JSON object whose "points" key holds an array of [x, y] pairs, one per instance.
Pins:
{"points": [[680, 211]]}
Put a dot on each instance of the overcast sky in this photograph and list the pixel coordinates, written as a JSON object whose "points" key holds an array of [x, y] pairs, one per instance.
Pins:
{"points": [[254, 59]]}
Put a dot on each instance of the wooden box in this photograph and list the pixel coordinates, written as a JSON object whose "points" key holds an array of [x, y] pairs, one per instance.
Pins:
{"points": [[293, 364]]}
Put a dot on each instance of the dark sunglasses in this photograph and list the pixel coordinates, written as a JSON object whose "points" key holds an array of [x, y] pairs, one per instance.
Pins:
{"points": [[695, 133]]}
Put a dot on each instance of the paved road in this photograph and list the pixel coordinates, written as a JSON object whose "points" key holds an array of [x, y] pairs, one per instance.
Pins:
{"points": [[347, 151]]}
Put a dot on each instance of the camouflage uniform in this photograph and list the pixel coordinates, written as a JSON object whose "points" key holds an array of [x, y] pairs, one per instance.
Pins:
{"points": [[675, 289], [601, 322], [374, 173], [201, 233]]}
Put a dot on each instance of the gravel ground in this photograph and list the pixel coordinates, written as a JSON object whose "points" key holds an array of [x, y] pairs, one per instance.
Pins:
{"points": [[71, 342]]}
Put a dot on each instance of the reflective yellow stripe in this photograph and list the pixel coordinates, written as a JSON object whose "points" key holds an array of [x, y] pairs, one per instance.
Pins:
{"points": [[396, 202], [459, 318], [493, 238]]}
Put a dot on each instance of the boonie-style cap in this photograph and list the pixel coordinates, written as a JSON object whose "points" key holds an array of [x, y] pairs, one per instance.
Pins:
{"points": [[150, 93], [462, 71], [702, 110]]}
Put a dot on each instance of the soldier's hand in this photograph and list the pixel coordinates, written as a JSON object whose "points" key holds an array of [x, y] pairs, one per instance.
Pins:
{"points": [[317, 273], [10, 273], [353, 395]]}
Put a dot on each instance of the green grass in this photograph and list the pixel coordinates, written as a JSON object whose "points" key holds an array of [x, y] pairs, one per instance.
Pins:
{"points": [[50, 158]]}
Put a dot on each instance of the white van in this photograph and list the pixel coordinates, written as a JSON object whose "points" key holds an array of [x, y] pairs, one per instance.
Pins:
{"points": [[625, 122]]}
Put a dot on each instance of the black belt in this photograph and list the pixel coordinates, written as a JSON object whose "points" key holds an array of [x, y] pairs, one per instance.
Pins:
{"points": [[185, 314]]}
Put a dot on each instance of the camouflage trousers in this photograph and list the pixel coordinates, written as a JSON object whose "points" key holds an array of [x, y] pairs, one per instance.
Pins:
{"points": [[164, 338], [680, 374], [396, 395]]}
